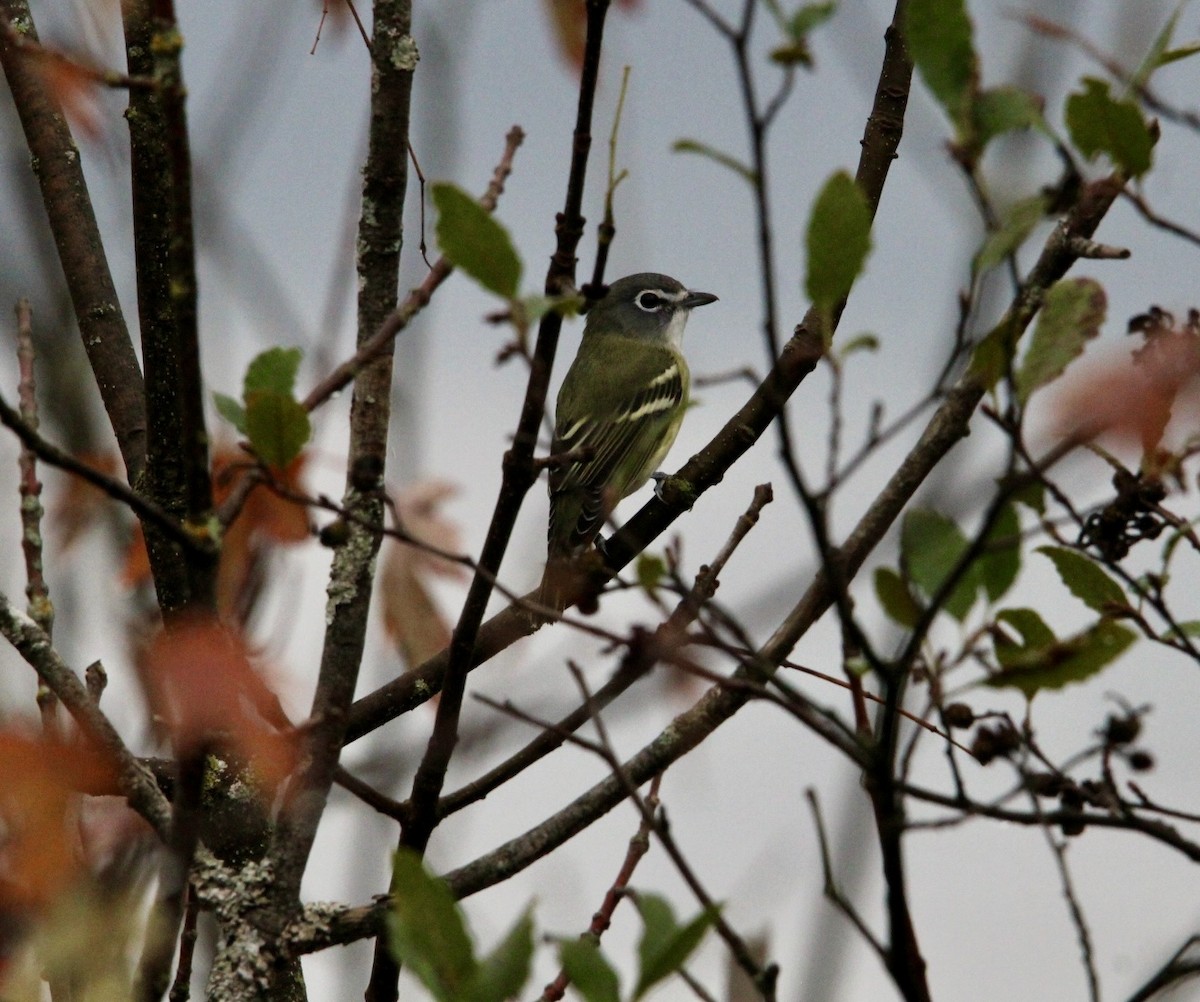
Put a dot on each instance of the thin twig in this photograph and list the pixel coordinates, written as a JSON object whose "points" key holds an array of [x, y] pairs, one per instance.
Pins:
{"points": [[639, 845], [144, 508]]}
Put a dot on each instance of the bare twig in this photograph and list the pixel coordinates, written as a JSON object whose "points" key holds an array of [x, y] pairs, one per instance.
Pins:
{"points": [[639, 845]]}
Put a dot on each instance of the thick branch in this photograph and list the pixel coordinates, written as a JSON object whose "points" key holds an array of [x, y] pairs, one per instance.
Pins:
{"points": [[177, 474], [59, 171]]}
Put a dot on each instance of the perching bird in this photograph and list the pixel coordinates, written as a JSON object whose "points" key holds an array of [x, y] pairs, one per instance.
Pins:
{"points": [[619, 408]]}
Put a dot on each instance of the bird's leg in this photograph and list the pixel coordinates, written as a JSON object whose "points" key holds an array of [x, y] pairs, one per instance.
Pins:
{"points": [[659, 479]]}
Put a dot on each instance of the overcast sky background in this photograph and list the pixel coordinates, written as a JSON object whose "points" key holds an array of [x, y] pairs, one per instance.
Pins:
{"points": [[278, 136]]}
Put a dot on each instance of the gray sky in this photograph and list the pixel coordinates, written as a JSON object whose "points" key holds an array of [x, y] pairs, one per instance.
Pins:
{"points": [[278, 137]]}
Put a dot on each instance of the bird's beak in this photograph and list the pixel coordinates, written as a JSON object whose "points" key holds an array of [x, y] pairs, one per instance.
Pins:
{"points": [[694, 299]]}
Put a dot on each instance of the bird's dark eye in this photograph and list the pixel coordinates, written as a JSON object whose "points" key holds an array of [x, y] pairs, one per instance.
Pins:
{"points": [[651, 302]]}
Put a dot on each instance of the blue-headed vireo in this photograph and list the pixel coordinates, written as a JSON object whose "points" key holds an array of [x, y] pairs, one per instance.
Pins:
{"points": [[619, 409]]}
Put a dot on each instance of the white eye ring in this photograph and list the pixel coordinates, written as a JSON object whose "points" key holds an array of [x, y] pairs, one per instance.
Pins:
{"points": [[650, 301]]}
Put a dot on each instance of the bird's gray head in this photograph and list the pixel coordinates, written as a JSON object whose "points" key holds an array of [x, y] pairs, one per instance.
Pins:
{"points": [[646, 305]]}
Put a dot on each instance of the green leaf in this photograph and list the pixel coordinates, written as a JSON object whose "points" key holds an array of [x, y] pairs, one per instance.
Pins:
{"points": [[1004, 109], [991, 358], [1015, 226], [1086, 580], [1071, 315], [475, 242], [1072, 660], [273, 371], [1183, 52], [591, 975], [1035, 634], [231, 411], [931, 546], [1188, 628], [426, 931], [1100, 123], [665, 946], [998, 566], [860, 342], [809, 16], [1153, 59], [939, 40], [839, 239], [724, 159], [897, 601], [1032, 497], [503, 973], [651, 569], [277, 426]]}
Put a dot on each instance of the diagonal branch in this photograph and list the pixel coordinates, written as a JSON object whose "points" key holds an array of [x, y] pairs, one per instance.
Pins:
{"points": [[59, 171]]}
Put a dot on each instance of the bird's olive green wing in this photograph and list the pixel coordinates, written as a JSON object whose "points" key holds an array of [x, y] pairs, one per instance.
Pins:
{"points": [[631, 414]]}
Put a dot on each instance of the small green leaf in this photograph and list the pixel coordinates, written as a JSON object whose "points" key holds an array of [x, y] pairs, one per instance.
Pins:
{"points": [[839, 239], [665, 946], [809, 16], [724, 159], [1153, 59], [998, 566], [273, 371], [504, 971], [931, 546], [426, 931], [993, 354], [475, 242], [1032, 497], [1072, 660], [1086, 580], [1188, 628], [860, 342], [1182, 52], [1015, 226], [277, 426], [591, 975], [1100, 123], [1035, 634], [1071, 315], [1004, 109], [897, 601], [939, 40], [651, 569], [231, 411]]}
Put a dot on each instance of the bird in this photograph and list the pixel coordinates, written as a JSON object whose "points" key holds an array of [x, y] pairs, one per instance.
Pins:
{"points": [[618, 411]]}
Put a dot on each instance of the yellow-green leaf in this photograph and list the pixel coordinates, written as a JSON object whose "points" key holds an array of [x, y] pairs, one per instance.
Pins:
{"points": [[838, 241], [591, 975], [1086, 579], [1073, 660], [1071, 315], [897, 601], [277, 426], [273, 371], [426, 931], [1100, 123], [939, 40], [717, 156], [665, 945], [474, 242], [231, 411]]}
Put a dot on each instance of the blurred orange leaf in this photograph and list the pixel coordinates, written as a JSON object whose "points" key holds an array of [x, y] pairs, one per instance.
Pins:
{"points": [[203, 687], [568, 22], [410, 614], [74, 86], [1132, 398], [38, 780], [78, 503], [266, 519]]}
